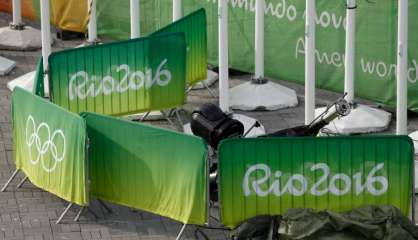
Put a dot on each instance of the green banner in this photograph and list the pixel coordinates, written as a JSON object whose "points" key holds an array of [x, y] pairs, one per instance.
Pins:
{"points": [[148, 168], [49, 145], [120, 78], [38, 85], [267, 176], [376, 40], [194, 28]]}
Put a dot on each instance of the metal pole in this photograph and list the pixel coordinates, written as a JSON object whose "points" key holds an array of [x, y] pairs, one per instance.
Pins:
{"points": [[46, 38], [259, 39], [350, 50], [135, 24], [92, 27], [17, 13], [177, 14], [310, 61], [402, 90], [223, 55]]}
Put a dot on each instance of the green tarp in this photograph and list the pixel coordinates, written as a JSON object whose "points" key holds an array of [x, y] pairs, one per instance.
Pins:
{"points": [[49, 144], [376, 39], [120, 78], [365, 223], [148, 168], [267, 176]]}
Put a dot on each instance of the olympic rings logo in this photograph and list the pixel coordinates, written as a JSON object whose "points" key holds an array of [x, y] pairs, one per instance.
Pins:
{"points": [[33, 138]]}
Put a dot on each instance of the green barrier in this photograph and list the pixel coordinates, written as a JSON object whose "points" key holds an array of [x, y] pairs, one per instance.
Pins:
{"points": [[38, 86], [194, 28], [376, 44], [267, 176], [49, 145], [148, 168], [120, 78]]}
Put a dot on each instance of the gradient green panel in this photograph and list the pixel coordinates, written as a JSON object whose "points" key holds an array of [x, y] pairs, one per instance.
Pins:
{"points": [[119, 78], [349, 158], [49, 145], [376, 40], [194, 28], [38, 86], [148, 168]]}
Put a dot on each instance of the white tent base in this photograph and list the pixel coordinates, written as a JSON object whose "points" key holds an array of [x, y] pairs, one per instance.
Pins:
{"points": [[25, 81], [248, 122], [362, 119], [6, 66], [27, 39], [414, 137], [211, 78], [268, 96]]}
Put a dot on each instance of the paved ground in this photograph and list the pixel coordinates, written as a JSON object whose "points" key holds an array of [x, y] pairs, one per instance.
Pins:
{"points": [[30, 213]]}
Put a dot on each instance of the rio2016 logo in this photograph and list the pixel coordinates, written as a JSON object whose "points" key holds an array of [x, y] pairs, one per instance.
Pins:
{"points": [[43, 146], [297, 185], [82, 85]]}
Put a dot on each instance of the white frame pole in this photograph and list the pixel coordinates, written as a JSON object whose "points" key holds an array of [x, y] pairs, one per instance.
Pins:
{"points": [[92, 26], [46, 33], [46, 40], [310, 61], [223, 55], [350, 50], [17, 13], [177, 13], [259, 39], [135, 25], [402, 68]]}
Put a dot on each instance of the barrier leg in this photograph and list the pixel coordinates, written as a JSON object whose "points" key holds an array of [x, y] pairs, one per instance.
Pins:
{"points": [[181, 232], [413, 195], [145, 116], [10, 180], [77, 217], [168, 119], [271, 230], [92, 213], [22, 182], [209, 90], [176, 111], [189, 89], [63, 213], [105, 206]]}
